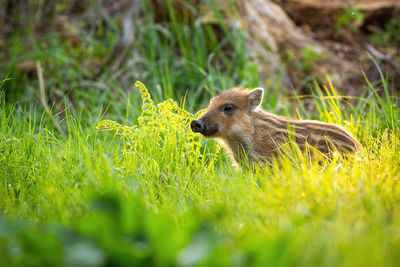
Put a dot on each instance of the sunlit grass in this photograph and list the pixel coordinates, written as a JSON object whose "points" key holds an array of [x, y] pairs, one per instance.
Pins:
{"points": [[156, 194]]}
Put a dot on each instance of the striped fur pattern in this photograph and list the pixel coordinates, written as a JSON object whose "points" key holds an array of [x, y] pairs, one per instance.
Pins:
{"points": [[235, 119]]}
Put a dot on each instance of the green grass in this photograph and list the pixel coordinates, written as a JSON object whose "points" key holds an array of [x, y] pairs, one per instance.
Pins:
{"points": [[156, 194], [111, 174], [174, 58]]}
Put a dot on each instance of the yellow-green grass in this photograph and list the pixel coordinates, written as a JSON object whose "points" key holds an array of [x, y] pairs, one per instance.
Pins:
{"points": [[157, 194]]}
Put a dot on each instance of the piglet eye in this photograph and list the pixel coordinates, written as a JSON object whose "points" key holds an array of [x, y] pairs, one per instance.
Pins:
{"points": [[228, 108]]}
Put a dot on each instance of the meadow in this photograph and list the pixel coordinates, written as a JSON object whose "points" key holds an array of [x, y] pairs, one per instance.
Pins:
{"points": [[106, 172]]}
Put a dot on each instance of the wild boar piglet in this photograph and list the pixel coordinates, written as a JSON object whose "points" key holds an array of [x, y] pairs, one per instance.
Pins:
{"points": [[236, 120]]}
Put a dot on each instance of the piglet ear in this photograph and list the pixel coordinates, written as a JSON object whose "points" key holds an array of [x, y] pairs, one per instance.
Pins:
{"points": [[255, 97]]}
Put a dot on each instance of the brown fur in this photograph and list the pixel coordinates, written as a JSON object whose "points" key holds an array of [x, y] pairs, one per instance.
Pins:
{"points": [[258, 135]]}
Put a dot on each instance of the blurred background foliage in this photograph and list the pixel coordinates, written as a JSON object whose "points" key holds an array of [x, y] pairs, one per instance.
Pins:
{"points": [[91, 52]]}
